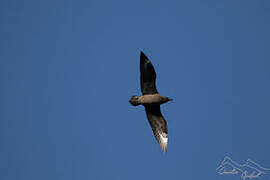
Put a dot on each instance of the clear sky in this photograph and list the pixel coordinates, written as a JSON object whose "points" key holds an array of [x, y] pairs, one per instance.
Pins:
{"points": [[68, 69]]}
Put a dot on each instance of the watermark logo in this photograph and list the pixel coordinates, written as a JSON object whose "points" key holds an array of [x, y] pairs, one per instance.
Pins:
{"points": [[249, 169]]}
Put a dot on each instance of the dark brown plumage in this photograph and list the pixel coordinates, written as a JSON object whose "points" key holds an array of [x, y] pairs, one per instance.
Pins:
{"points": [[152, 100], [158, 125], [148, 76]]}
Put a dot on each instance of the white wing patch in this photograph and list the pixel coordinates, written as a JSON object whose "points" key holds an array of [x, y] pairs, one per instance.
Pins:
{"points": [[163, 138]]}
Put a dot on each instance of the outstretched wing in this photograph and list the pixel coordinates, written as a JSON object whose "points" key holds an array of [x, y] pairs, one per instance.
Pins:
{"points": [[148, 76], [158, 125]]}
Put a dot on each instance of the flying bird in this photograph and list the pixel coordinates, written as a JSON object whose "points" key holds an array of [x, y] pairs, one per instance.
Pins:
{"points": [[151, 100]]}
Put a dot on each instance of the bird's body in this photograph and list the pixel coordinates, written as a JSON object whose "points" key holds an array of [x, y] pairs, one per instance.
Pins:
{"points": [[152, 100], [148, 99]]}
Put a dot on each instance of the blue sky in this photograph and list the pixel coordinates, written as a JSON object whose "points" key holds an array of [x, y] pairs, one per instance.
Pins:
{"points": [[68, 69]]}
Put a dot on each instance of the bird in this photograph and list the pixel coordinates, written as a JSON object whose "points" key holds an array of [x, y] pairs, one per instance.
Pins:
{"points": [[151, 100]]}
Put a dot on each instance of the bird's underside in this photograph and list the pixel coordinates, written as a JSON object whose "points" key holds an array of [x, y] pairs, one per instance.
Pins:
{"points": [[151, 100]]}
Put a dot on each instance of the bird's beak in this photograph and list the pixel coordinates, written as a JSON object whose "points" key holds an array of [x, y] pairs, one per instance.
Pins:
{"points": [[170, 99]]}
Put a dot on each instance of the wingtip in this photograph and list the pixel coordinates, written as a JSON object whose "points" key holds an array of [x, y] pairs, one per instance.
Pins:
{"points": [[163, 143], [164, 148], [143, 56]]}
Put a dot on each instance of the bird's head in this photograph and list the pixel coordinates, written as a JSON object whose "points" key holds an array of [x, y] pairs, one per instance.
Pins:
{"points": [[134, 101]]}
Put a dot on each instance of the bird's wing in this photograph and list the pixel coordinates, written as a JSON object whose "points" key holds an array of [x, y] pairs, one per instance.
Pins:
{"points": [[158, 125], [148, 76]]}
